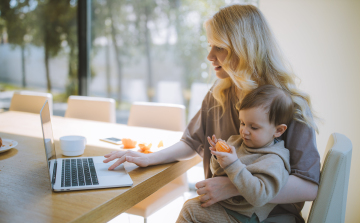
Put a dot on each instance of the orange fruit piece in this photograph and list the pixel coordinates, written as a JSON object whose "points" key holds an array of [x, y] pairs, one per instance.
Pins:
{"points": [[161, 144], [144, 151], [128, 143], [221, 146], [144, 147]]}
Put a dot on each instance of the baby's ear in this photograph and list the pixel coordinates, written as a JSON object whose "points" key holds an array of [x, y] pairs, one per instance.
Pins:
{"points": [[280, 129]]}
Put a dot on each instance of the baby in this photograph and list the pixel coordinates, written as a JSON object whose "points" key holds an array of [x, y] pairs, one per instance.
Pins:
{"points": [[258, 163]]}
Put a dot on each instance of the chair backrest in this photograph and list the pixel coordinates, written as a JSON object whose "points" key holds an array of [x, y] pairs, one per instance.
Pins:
{"points": [[30, 101], [91, 108], [157, 115], [330, 203]]}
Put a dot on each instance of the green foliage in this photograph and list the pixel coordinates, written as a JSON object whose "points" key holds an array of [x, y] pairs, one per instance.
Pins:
{"points": [[8, 87], [15, 20], [47, 23], [60, 97]]}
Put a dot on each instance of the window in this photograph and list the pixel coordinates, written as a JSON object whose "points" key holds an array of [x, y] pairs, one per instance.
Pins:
{"points": [[140, 50]]}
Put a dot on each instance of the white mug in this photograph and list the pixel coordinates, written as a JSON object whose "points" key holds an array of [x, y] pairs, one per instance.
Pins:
{"points": [[72, 145]]}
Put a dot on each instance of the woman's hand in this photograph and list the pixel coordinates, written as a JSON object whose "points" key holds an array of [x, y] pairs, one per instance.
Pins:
{"points": [[215, 189], [137, 158], [177, 152]]}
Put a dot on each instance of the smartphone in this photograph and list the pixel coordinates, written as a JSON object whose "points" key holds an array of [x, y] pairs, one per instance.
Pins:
{"points": [[112, 140]]}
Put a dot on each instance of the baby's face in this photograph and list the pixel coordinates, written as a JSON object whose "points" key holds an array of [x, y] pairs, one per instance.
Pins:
{"points": [[255, 128]]}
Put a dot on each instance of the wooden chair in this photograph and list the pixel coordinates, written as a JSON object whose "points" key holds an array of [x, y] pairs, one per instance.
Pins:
{"points": [[162, 116], [330, 203], [30, 101], [91, 108]]}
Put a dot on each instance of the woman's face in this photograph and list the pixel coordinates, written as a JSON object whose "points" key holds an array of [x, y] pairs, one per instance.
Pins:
{"points": [[217, 56]]}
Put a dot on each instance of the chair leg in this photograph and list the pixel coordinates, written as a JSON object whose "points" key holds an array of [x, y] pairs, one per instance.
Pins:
{"points": [[145, 220]]}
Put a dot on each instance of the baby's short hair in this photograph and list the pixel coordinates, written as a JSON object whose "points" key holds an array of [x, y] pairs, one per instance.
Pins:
{"points": [[276, 102]]}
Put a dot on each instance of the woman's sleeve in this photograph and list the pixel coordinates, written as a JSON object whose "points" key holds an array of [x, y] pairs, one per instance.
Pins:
{"points": [[194, 134], [300, 140]]}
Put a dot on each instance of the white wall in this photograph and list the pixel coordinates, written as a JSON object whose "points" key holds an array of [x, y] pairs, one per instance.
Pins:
{"points": [[321, 39]]}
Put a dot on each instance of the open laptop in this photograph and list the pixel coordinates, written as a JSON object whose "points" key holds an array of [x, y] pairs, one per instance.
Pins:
{"points": [[79, 173]]}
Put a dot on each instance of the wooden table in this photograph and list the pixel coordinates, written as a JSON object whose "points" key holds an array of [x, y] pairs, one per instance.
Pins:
{"points": [[25, 193]]}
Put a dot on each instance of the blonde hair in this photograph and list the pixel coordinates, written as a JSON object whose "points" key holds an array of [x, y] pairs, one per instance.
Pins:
{"points": [[254, 58]]}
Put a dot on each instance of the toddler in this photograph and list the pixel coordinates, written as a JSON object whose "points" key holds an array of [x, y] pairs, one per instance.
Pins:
{"points": [[258, 163]]}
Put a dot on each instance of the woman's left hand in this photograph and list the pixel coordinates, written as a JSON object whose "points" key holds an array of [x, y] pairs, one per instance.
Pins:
{"points": [[215, 189]]}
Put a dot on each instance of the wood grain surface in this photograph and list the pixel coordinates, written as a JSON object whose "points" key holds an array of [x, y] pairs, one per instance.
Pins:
{"points": [[25, 192]]}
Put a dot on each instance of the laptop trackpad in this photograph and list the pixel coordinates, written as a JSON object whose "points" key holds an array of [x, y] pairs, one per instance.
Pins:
{"points": [[102, 169]]}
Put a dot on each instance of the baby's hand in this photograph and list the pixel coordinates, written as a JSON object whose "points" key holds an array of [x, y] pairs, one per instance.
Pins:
{"points": [[224, 158], [212, 141]]}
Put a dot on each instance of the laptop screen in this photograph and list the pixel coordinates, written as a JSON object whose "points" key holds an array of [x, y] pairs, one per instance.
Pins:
{"points": [[47, 133]]}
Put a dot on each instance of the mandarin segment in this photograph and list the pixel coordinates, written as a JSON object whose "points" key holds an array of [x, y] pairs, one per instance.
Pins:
{"points": [[221, 146], [128, 143], [145, 147], [161, 144]]}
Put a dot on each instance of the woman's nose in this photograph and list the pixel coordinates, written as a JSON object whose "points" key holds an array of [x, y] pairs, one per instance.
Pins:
{"points": [[211, 56]]}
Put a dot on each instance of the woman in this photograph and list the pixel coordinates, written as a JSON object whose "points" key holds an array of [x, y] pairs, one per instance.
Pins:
{"points": [[244, 55]]}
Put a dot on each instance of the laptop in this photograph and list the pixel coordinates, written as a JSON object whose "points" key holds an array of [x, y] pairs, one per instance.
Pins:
{"points": [[78, 173]]}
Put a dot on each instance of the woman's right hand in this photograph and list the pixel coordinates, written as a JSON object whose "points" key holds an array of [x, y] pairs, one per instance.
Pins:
{"points": [[215, 189], [177, 152], [140, 159]]}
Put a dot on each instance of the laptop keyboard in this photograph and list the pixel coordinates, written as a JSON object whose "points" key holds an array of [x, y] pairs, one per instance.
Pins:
{"points": [[78, 172]]}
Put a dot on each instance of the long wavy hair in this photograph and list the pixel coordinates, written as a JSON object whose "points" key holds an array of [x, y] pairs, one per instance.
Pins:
{"points": [[254, 58]]}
